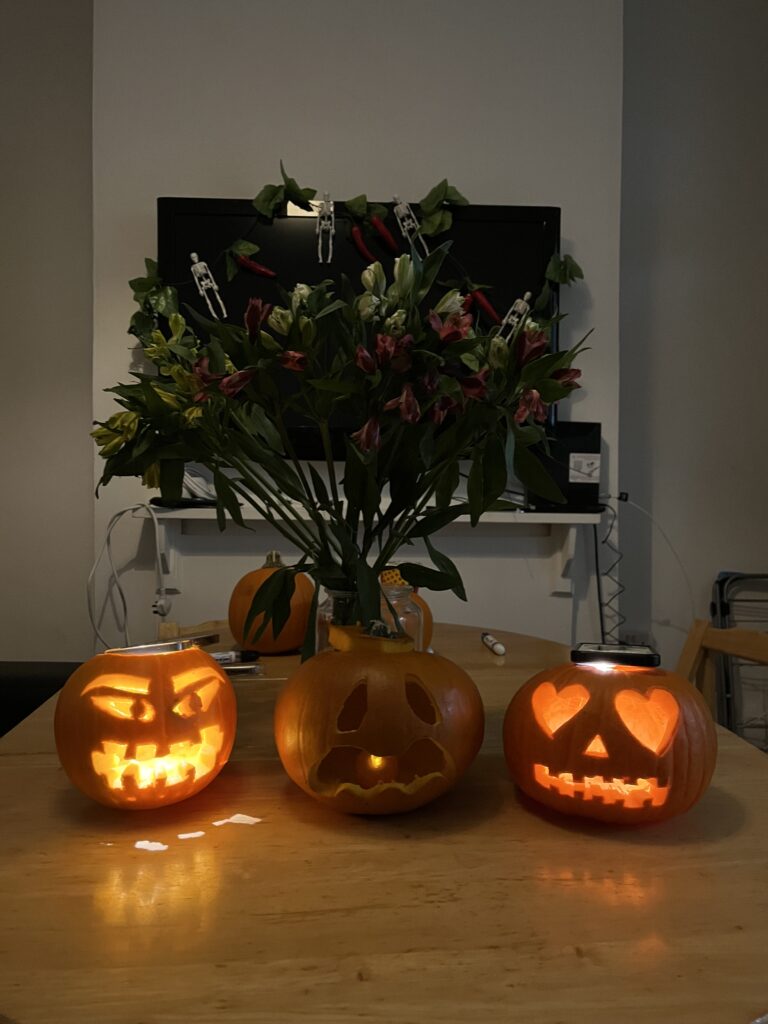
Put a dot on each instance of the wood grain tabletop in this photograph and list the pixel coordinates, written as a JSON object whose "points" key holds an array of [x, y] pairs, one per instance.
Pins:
{"points": [[476, 908]]}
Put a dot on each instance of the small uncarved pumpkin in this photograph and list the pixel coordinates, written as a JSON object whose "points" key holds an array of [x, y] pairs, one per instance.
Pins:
{"points": [[390, 577], [617, 743], [144, 728], [374, 727], [291, 636]]}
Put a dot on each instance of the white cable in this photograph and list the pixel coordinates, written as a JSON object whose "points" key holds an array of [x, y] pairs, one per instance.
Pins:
{"points": [[161, 605], [671, 547]]}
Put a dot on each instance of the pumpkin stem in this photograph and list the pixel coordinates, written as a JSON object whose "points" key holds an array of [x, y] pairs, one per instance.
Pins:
{"points": [[273, 561]]}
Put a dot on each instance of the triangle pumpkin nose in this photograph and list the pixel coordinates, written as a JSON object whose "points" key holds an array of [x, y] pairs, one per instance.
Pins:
{"points": [[596, 747]]}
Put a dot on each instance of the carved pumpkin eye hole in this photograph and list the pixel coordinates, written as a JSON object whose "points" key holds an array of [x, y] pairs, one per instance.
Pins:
{"points": [[553, 708], [420, 701], [137, 709], [199, 699], [651, 717], [354, 710]]}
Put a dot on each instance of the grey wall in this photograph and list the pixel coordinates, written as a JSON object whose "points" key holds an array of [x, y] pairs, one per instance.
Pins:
{"points": [[46, 510], [693, 315], [515, 102]]}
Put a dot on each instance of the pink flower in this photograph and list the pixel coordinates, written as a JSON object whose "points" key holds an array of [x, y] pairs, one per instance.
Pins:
{"points": [[531, 404], [394, 351], [203, 374], [368, 436], [255, 315], [235, 382], [385, 348], [567, 377], [530, 345], [296, 361], [364, 360], [441, 408], [410, 410], [475, 386], [453, 328]]}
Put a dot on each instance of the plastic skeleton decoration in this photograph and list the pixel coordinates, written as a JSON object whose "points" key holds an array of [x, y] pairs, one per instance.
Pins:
{"points": [[326, 228], [205, 283], [516, 316], [408, 224]]}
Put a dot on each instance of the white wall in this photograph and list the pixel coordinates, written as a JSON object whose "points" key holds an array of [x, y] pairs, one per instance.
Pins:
{"points": [[694, 351], [46, 511], [515, 102]]}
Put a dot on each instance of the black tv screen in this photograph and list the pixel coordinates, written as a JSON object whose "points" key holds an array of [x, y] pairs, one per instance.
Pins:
{"points": [[505, 248]]}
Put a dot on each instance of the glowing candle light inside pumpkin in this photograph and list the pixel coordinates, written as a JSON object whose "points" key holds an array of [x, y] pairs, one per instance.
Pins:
{"points": [[375, 768]]}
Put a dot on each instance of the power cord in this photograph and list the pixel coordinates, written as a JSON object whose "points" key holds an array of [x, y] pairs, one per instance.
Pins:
{"points": [[161, 604]]}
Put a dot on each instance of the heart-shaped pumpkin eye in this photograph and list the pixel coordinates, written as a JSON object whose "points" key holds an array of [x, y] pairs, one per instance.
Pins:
{"points": [[651, 717], [553, 708]]}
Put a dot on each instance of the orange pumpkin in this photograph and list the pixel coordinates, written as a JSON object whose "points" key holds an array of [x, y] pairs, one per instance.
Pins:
{"points": [[618, 743], [391, 577], [145, 727], [291, 636], [374, 727]]}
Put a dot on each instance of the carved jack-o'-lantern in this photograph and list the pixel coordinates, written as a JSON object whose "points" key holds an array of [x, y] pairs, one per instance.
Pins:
{"points": [[144, 727], [374, 727], [615, 742]]}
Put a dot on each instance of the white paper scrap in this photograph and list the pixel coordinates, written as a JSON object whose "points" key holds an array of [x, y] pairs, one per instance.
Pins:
{"points": [[147, 844], [238, 819], [190, 835]]}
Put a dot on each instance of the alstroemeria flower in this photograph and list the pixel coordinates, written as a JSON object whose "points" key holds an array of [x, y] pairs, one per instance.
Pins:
{"points": [[441, 408], [255, 315], [235, 382], [364, 360], [531, 404], [368, 436], [202, 372], [529, 346], [455, 326], [475, 386], [296, 361], [410, 410], [568, 377], [394, 351]]}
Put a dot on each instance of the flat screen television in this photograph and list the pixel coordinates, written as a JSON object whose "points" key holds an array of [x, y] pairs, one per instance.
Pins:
{"points": [[505, 248]]}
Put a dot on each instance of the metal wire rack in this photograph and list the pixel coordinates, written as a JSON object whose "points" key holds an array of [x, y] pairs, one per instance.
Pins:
{"points": [[741, 599]]}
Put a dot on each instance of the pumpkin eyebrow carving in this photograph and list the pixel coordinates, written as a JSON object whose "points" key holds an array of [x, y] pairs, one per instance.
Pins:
{"points": [[119, 683]]}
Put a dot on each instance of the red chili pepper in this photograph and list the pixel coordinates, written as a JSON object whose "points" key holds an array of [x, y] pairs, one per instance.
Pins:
{"points": [[362, 248], [486, 306], [254, 267], [386, 234]]}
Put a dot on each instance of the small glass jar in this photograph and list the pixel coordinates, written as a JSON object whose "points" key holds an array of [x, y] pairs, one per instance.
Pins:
{"points": [[338, 607], [398, 601]]}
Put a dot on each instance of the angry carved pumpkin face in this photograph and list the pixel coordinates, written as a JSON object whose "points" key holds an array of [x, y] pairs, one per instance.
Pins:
{"points": [[369, 732], [620, 743], [140, 730]]}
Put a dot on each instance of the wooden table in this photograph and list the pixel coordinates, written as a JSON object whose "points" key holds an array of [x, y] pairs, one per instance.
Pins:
{"points": [[474, 909]]}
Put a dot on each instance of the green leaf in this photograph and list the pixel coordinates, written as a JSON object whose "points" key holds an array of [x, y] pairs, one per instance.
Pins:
{"points": [[475, 487], [294, 193], [436, 223], [448, 482], [227, 498], [321, 491], [273, 600], [242, 247], [333, 307], [269, 200], [436, 519], [230, 265], [422, 576], [309, 646], [563, 270], [357, 206], [452, 195], [435, 198], [368, 592], [164, 301], [531, 473], [494, 470], [445, 565], [171, 478]]}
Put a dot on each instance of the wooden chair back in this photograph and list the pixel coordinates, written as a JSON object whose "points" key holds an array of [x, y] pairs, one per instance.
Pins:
{"points": [[697, 661]]}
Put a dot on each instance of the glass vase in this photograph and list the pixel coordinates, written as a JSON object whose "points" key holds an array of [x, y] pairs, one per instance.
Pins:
{"points": [[397, 601]]}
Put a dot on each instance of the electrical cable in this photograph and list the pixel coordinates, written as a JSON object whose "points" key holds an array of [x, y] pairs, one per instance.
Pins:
{"points": [[160, 606]]}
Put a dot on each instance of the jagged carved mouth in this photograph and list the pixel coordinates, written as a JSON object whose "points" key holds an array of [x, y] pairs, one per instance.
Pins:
{"points": [[640, 793], [355, 770], [185, 761]]}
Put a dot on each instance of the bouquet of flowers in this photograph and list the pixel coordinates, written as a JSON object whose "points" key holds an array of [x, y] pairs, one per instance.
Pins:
{"points": [[398, 362]]}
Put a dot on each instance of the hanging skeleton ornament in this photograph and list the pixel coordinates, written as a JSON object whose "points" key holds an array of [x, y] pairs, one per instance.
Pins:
{"points": [[516, 316], [206, 284], [408, 224], [325, 229]]}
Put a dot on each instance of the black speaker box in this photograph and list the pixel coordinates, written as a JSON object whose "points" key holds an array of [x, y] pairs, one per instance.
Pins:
{"points": [[573, 462]]}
